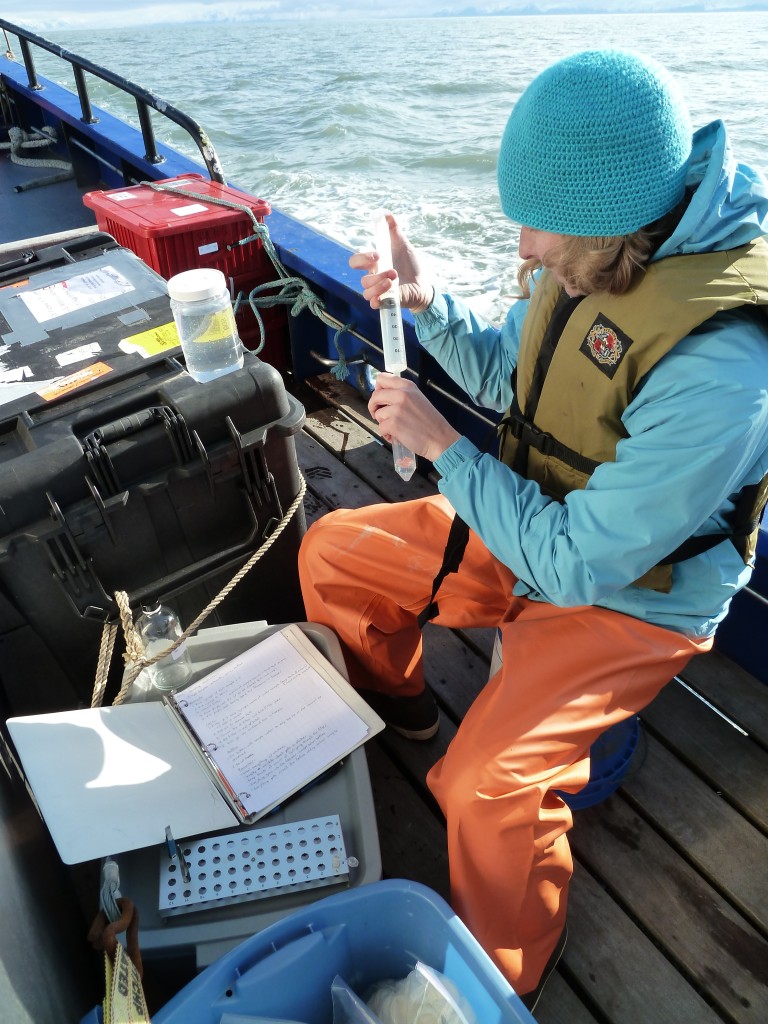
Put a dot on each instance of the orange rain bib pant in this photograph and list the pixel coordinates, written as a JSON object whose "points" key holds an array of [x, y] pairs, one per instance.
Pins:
{"points": [[567, 675]]}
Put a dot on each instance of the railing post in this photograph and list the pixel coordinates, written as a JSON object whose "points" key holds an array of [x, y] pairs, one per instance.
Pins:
{"points": [[85, 100], [29, 64], [148, 133]]}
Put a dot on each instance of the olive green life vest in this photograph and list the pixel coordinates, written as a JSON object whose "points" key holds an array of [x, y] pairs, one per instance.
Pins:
{"points": [[581, 361]]}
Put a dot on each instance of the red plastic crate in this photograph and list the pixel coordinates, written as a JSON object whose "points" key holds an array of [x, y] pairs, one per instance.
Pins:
{"points": [[173, 233]]}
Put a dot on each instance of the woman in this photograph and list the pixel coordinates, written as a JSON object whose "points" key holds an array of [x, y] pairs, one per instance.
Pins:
{"points": [[608, 538]]}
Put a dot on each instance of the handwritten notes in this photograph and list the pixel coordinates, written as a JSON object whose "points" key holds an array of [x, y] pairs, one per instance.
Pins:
{"points": [[264, 724], [270, 720]]}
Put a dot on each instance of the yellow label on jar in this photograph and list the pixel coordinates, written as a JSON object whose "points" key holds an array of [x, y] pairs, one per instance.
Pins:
{"points": [[218, 325]]}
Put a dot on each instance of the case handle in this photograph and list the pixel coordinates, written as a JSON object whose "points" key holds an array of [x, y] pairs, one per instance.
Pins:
{"points": [[95, 444]]}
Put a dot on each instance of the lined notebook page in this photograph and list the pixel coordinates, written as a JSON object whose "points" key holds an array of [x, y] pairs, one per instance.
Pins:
{"points": [[271, 720]]}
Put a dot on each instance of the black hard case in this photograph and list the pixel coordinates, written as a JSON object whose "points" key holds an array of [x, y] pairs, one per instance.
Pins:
{"points": [[152, 484], [44, 335]]}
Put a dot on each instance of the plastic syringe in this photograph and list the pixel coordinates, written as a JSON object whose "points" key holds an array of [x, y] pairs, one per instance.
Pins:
{"points": [[392, 337]]}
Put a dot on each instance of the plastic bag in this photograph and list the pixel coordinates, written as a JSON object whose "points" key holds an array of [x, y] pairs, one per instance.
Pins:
{"points": [[425, 996], [348, 1008]]}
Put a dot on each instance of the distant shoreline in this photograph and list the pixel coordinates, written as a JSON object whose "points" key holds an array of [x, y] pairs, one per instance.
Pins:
{"points": [[577, 8], [636, 7], [570, 8]]}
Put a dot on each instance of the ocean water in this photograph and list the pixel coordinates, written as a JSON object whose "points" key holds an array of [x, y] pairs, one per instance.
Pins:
{"points": [[329, 120]]}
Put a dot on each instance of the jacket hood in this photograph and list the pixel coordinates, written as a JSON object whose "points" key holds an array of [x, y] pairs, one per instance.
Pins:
{"points": [[730, 204]]}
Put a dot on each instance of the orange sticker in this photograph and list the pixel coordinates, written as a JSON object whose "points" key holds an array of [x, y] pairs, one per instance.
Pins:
{"points": [[75, 380]]}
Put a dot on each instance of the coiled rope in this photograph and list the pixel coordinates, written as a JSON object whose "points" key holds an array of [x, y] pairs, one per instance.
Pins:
{"points": [[134, 655], [19, 139]]}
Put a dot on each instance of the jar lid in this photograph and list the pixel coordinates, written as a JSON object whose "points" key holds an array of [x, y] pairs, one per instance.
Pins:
{"points": [[192, 285]]}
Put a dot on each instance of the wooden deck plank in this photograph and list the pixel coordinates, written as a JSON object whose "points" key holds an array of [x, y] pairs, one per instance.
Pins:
{"points": [[732, 763], [704, 828], [454, 671], [328, 479], [619, 968], [732, 690], [340, 395], [365, 453], [710, 943], [559, 1004], [412, 839]]}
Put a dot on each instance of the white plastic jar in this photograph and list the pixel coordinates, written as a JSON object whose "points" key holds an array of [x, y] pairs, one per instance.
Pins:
{"points": [[202, 311]]}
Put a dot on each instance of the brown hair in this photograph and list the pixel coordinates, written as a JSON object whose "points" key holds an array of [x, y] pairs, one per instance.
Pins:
{"points": [[597, 264]]}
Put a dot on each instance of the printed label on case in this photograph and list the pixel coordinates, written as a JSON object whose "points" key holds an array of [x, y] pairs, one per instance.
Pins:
{"points": [[64, 385], [151, 342]]}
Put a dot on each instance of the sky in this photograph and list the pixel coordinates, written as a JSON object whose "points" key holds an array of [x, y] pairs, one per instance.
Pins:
{"points": [[46, 16]]}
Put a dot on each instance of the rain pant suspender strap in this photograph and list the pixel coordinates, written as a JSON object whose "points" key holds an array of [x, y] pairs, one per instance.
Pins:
{"points": [[455, 546]]}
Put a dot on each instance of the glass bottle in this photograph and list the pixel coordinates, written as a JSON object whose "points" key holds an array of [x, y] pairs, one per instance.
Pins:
{"points": [[202, 311], [159, 627]]}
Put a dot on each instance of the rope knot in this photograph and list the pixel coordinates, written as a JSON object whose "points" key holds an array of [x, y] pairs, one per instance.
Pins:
{"points": [[341, 371]]}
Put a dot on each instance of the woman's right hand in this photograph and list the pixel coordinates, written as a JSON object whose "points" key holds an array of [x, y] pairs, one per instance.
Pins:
{"points": [[416, 291]]}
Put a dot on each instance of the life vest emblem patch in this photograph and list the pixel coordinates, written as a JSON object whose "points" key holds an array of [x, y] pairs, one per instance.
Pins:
{"points": [[605, 345]]}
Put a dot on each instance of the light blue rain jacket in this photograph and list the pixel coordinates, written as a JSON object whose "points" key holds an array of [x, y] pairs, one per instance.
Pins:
{"points": [[698, 432]]}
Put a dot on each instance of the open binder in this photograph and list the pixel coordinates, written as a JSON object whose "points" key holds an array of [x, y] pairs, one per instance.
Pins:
{"points": [[224, 751]]}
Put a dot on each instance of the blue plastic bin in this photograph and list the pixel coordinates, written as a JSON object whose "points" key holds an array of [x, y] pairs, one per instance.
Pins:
{"points": [[366, 935]]}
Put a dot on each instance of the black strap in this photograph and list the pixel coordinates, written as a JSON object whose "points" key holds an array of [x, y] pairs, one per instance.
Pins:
{"points": [[694, 546], [455, 546], [529, 435], [564, 308], [745, 519]]}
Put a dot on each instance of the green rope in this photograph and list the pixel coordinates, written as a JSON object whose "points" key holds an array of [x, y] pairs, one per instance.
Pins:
{"points": [[341, 371], [292, 291]]}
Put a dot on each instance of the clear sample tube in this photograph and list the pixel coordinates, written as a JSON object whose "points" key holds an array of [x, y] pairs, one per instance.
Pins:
{"points": [[392, 336]]}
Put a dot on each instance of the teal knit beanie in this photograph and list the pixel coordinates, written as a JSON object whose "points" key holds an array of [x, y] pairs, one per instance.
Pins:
{"points": [[598, 144]]}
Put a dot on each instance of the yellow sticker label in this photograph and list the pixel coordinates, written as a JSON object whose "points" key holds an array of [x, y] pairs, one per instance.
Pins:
{"points": [[218, 326], [64, 385], [152, 342]]}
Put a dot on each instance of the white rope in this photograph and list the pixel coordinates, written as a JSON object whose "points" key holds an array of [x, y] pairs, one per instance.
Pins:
{"points": [[109, 891], [19, 139], [134, 654]]}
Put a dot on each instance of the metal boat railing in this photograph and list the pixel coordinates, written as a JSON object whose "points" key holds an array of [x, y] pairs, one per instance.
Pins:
{"points": [[145, 101]]}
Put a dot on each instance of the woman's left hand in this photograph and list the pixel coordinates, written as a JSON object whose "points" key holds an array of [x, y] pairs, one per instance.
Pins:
{"points": [[402, 412]]}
